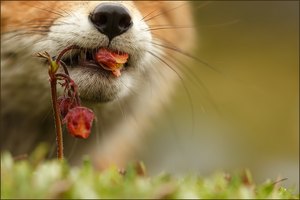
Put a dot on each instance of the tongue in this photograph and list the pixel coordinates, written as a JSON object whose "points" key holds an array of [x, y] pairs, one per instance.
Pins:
{"points": [[111, 61]]}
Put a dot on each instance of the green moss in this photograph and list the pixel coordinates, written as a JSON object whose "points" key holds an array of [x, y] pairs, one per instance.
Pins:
{"points": [[54, 179]]}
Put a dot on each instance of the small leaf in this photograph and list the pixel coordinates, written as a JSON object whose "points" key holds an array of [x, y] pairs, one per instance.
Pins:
{"points": [[53, 66]]}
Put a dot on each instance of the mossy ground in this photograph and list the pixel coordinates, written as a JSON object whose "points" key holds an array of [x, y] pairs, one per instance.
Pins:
{"points": [[34, 177]]}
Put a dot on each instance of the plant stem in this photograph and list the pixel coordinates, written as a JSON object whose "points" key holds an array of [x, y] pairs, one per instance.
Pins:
{"points": [[59, 136], [62, 53]]}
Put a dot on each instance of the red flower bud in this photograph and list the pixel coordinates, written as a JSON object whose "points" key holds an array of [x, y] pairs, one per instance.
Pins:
{"points": [[79, 122], [65, 104]]}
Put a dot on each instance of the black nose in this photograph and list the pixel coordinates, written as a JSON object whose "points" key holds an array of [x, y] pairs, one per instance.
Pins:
{"points": [[111, 19]]}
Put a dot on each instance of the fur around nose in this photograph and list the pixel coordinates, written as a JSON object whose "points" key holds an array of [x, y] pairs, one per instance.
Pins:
{"points": [[111, 19]]}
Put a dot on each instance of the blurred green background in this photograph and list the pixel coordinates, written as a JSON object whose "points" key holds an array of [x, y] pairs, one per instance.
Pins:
{"points": [[246, 113]]}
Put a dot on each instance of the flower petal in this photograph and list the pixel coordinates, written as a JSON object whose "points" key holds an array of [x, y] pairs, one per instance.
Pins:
{"points": [[79, 122], [111, 61]]}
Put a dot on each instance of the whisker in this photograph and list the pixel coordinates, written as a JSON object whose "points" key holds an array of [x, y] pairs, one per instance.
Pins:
{"points": [[74, 145], [34, 21], [44, 9], [204, 4], [183, 84], [175, 49], [164, 12], [99, 130], [167, 25], [121, 109], [27, 29], [22, 31], [198, 83], [130, 89], [63, 10], [190, 56], [144, 17], [52, 149], [166, 28], [48, 23], [235, 21], [16, 35], [21, 49]]}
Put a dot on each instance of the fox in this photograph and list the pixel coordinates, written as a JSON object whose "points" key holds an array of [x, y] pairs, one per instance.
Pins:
{"points": [[148, 31]]}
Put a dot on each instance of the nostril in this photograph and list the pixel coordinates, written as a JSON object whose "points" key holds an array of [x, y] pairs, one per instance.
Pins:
{"points": [[125, 22], [111, 19], [102, 20]]}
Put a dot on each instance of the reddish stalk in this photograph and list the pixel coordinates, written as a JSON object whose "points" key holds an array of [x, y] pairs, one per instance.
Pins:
{"points": [[72, 90], [56, 114], [62, 53]]}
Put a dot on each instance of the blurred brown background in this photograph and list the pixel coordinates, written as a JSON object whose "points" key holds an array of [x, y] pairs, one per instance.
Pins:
{"points": [[246, 113]]}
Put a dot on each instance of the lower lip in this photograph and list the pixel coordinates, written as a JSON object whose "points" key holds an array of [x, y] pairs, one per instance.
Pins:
{"points": [[94, 66]]}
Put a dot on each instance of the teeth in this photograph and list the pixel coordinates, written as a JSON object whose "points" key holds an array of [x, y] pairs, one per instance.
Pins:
{"points": [[82, 55]]}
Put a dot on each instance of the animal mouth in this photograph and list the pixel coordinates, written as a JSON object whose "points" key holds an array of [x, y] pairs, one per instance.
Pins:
{"points": [[101, 59]]}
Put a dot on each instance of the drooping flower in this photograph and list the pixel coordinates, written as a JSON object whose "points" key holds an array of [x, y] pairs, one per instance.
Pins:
{"points": [[79, 122], [65, 104]]}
